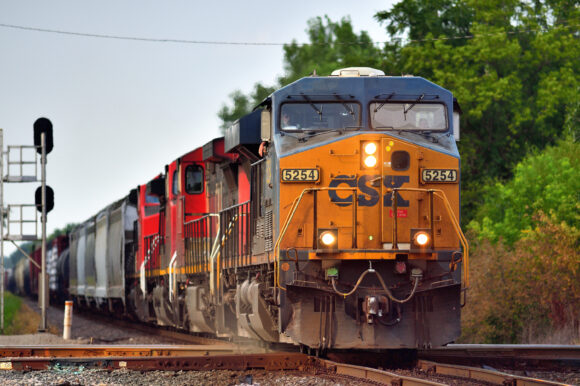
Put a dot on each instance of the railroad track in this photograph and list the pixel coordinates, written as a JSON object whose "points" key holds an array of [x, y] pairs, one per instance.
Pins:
{"points": [[227, 357], [506, 355]]}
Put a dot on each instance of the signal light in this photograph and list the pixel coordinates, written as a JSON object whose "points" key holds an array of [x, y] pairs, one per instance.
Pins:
{"points": [[43, 125], [49, 199]]}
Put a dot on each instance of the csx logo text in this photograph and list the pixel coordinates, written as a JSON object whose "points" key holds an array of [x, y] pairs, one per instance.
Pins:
{"points": [[370, 195]]}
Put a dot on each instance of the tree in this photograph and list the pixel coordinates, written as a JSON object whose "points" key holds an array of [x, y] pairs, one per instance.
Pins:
{"points": [[242, 104], [332, 45], [420, 18], [529, 293], [512, 65], [547, 182]]}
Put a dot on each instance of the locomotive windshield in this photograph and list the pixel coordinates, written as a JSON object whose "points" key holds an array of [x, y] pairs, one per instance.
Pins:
{"points": [[317, 116], [408, 116]]}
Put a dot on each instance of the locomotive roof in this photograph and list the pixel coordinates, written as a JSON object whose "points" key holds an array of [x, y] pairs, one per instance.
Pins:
{"points": [[363, 89]]}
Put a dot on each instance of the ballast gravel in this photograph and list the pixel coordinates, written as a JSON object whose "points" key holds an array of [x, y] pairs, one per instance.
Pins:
{"points": [[79, 376]]}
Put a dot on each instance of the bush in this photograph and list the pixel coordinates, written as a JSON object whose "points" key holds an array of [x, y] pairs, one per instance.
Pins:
{"points": [[548, 181], [529, 293]]}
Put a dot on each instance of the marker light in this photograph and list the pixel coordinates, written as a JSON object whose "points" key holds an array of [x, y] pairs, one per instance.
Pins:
{"points": [[370, 161], [370, 148], [421, 239]]}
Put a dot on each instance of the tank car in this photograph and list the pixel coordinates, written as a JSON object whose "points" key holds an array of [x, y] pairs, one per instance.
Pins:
{"points": [[99, 250], [22, 277]]}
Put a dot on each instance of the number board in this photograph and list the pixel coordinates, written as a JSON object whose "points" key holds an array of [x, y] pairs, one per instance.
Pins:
{"points": [[300, 175], [438, 175]]}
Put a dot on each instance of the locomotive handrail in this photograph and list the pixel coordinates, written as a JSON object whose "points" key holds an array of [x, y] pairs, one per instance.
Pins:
{"points": [[216, 254], [153, 245], [462, 239], [196, 259], [293, 208], [439, 193]]}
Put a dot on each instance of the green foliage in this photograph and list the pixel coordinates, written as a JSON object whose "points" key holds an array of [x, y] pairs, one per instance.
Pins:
{"points": [[11, 307], [332, 45], [528, 294], [421, 18], [516, 77], [62, 231], [242, 104], [548, 182]]}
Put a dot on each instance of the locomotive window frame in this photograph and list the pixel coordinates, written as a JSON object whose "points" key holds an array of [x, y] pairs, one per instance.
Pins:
{"points": [[175, 183], [190, 189], [424, 114], [313, 116]]}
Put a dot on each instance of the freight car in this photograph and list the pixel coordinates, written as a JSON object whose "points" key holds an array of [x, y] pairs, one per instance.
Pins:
{"points": [[328, 217]]}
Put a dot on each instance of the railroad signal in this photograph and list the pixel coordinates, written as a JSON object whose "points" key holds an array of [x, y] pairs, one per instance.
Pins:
{"points": [[49, 199], [43, 125]]}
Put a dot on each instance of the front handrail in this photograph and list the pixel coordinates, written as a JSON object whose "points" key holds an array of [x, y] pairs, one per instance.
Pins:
{"points": [[289, 218], [437, 192], [462, 239]]}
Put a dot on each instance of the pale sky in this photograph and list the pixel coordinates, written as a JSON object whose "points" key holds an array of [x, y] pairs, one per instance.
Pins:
{"points": [[122, 109]]}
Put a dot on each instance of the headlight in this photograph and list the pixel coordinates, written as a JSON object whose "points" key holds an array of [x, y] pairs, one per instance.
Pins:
{"points": [[421, 239], [328, 238], [370, 161], [370, 148], [369, 153]]}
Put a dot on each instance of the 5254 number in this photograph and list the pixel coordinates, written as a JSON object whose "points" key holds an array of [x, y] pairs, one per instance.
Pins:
{"points": [[300, 175], [438, 175]]}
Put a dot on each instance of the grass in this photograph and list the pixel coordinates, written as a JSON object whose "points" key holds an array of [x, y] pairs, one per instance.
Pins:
{"points": [[12, 305], [19, 318]]}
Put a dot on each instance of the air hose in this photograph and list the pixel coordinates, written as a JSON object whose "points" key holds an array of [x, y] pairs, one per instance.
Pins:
{"points": [[416, 274]]}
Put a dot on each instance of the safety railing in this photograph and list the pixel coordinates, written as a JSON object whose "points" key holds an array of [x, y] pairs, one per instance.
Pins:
{"points": [[199, 237], [152, 246], [295, 205], [236, 236], [432, 193]]}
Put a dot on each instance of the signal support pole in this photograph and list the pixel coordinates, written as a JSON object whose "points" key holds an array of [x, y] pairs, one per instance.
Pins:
{"points": [[2, 231], [43, 291]]}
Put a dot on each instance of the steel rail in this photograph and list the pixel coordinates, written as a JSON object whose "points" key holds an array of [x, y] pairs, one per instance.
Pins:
{"points": [[491, 376], [373, 375], [511, 355], [192, 358], [94, 351], [267, 362]]}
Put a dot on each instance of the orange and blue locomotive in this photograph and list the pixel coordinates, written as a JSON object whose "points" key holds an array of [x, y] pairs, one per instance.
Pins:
{"points": [[368, 245], [328, 217]]}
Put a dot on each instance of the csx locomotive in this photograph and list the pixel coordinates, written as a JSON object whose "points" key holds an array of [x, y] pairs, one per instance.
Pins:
{"points": [[328, 217]]}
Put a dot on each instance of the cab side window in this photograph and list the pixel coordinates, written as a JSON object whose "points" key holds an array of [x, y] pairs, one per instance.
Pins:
{"points": [[175, 184], [194, 179]]}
